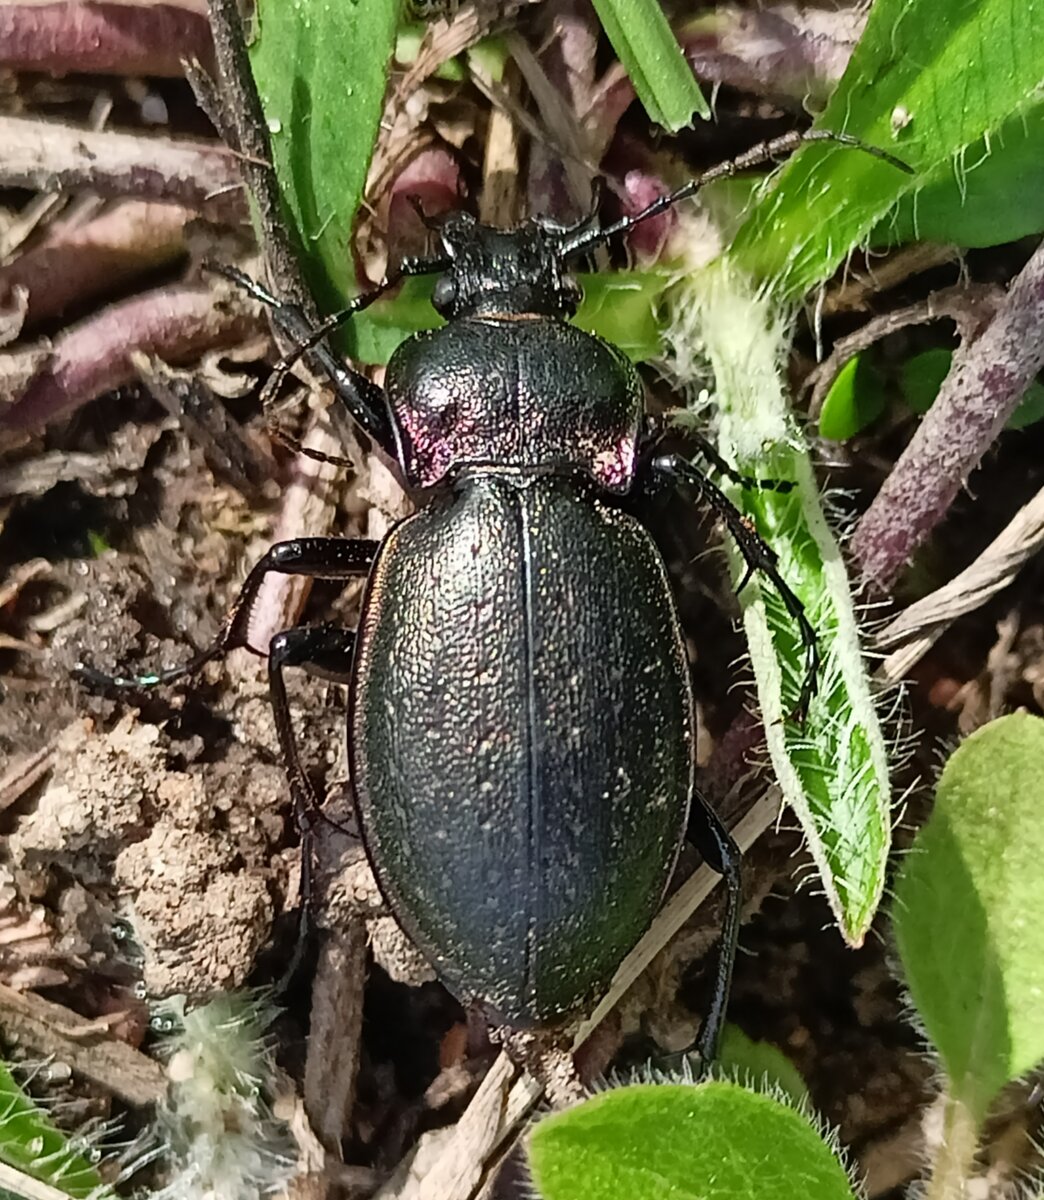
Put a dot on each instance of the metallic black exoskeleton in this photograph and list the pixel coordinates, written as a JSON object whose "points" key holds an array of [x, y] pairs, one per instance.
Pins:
{"points": [[521, 723]]}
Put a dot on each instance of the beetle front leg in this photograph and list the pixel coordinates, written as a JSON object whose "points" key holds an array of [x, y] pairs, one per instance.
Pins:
{"points": [[316, 557], [362, 398], [757, 554], [720, 852]]}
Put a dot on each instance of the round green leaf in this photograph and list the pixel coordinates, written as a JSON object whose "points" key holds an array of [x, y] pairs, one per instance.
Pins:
{"points": [[968, 911], [714, 1141], [759, 1065]]}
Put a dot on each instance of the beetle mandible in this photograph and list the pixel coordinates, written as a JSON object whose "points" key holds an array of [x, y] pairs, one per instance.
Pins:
{"points": [[521, 722]]}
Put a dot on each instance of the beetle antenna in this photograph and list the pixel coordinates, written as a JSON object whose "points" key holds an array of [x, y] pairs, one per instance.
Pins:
{"points": [[761, 153]]}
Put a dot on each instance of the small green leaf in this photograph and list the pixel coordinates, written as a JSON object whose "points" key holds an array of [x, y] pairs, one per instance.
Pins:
{"points": [[1031, 408], [32, 1144], [379, 329], [321, 71], [922, 376], [759, 1065], [97, 543], [967, 912], [855, 400], [652, 58], [714, 1141], [490, 58], [619, 306], [995, 193], [622, 307], [927, 81], [407, 47]]}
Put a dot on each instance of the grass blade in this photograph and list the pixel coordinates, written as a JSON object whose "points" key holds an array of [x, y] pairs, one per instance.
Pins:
{"points": [[653, 60], [321, 71]]}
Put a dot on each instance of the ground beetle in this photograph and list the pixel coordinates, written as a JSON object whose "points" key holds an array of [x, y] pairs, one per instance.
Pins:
{"points": [[521, 720]]}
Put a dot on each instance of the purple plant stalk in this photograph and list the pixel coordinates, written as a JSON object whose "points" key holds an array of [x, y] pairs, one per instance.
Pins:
{"points": [[987, 379], [51, 156], [104, 37], [93, 357], [76, 262]]}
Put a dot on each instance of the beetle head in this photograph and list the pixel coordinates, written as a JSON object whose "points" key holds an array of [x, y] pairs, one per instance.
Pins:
{"points": [[509, 271]]}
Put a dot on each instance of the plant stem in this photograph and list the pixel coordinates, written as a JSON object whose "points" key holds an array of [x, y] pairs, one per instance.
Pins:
{"points": [[952, 1167]]}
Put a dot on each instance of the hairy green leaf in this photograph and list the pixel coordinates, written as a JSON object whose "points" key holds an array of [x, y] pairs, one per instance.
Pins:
{"points": [[759, 1065], [714, 1141], [832, 766], [32, 1144], [992, 193], [926, 82], [967, 912]]}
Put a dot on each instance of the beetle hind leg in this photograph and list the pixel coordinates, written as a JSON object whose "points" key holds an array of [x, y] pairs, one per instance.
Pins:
{"points": [[721, 853]]}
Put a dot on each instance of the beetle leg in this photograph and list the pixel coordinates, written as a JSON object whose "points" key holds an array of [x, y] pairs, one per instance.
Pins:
{"points": [[757, 554], [721, 853], [361, 397], [326, 651], [323, 650], [710, 452], [316, 557]]}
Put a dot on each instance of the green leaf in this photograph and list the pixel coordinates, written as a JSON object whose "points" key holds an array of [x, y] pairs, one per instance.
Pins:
{"points": [[855, 400], [32, 1144], [993, 194], [714, 1141], [926, 81], [832, 767], [968, 910], [652, 58], [379, 329], [922, 376], [759, 1065], [321, 71], [619, 306]]}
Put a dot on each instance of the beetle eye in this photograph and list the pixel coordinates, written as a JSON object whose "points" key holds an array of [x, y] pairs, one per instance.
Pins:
{"points": [[444, 297]]}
